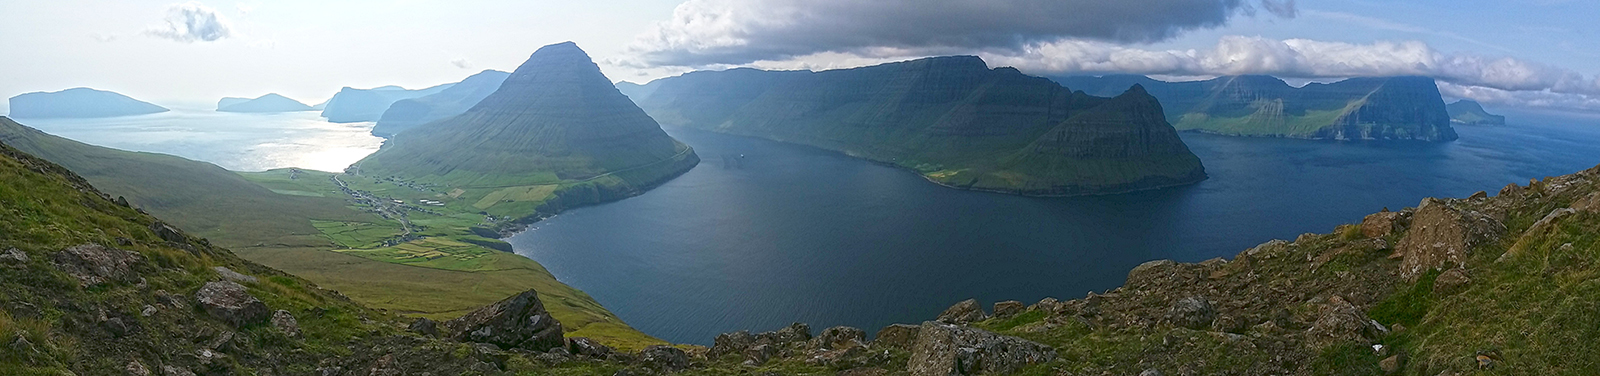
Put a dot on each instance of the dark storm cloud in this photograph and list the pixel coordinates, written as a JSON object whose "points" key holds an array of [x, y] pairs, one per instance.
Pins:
{"points": [[705, 32]]}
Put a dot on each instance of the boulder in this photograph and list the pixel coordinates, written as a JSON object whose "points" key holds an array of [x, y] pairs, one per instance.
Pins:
{"points": [[1451, 282], [1150, 271], [13, 257], [135, 368], [840, 337], [1440, 236], [664, 359], [231, 275], [286, 323], [944, 349], [1390, 365], [1382, 224], [1194, 312], [1008, 308], [760, 354], [731, 343], [425, 327], [967, 311], [93, 264], [843, 358], [588, 347], [167, 232], [1048, 305], [896, 336], [1338, 322], [796, 332], [1589, 204], [231, 303], [519, 322], [176, 371]]}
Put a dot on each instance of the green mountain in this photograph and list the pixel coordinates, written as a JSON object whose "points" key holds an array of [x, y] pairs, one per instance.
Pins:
{"points": [[79, 103], [555, 134], [352, 105], [263, 104], [1471, 113], [1391, 108], [460, 97], [952, 119]]}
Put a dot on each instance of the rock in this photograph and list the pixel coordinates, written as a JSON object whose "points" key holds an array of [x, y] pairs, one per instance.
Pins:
{"points": [[1151, 372], [116, 326], [134, 368], [944, 349], [1382, 224], [231, 303], [1451, 282], [843, 358], [588, 347], [1338, 322], [1589, 204], [1440, 236], [517, 322], [1485, 362], [1390, 365], [760, 354], [1195, 312], [231, 275], [93, 264], [285, 322], [21, 345], [896, 336], [1481, 195], [865, 371], [965, 312], [1048, 305], [1150, 271], [553, 359], [149, 310], [664, 358], [176, 371], [730, 343], [796, 332], [168, 233], [13, 257], [1008, 308], [840, 337], [425, 327], [384, 366]]}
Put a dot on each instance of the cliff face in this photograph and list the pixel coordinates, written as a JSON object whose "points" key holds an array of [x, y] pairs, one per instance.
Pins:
{"points": [[409, 113], [953, 119], [1392, 108], [353, 105], [79, 103], [264, 104], [1468, 112]]}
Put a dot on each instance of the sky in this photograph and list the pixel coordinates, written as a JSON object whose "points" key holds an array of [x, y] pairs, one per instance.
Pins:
{"points": [[1512, 54]]}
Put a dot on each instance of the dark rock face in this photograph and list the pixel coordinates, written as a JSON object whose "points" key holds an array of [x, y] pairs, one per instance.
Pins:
{"points": [[425, 327], [519, 322], [898, 336], [78, 103], [231, 303], [943, 350], [840, 337], [1440, 236], [664, 359], [967, 311], [93, 264]]}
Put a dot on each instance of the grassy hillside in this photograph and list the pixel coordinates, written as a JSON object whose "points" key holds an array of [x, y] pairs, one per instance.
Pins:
{"points": [[952, 119], [303, 224], [1391, 108]]}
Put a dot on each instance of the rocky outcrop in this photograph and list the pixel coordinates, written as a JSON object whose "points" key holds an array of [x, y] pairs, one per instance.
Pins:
{"points": [[756, 348], [94, 264], [1008, 308], [967, 311], [896, 336], [1441, 236], [839, 337], [1338, 322], [664, 359], [518, 322], [944, 350], [231, 303]]}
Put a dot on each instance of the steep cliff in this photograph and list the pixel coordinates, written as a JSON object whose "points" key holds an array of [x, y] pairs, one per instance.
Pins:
{"points": [[408, 113], [1389, 108], [952, 119], [79, 103], [1468, 112]]}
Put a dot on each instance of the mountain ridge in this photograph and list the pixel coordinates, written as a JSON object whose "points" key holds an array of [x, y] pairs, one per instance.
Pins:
{"points": [[79, 102], [267, 103]]}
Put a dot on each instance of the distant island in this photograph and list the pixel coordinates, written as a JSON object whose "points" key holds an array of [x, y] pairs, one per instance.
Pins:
{"points": [[952, 119], [269, 103], [352, 105], [1467, 112], [453, 101], [1388, 108], [79, 103]]}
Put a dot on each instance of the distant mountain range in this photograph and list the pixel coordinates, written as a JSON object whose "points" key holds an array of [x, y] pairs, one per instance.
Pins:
{"points": [[1468, 112], [952, 119], [1391, 108], [352, 105], [453, 101], [264, 104], [79, 103]]}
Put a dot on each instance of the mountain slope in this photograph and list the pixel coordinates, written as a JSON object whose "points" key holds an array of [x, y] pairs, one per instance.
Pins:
{"points": [[556, 121], [79, 103], [1471, 113], [263, 104], [409, 113], [952, 119], [352, 105], [1390, 108]]}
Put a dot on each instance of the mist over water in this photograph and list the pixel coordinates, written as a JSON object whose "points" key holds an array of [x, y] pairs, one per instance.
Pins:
{"points": [[762, 233], [240, 142]]}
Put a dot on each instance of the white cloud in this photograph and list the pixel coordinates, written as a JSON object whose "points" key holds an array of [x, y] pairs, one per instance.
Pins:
{"points": [[192, 22], [461, 63], [103, 38]]}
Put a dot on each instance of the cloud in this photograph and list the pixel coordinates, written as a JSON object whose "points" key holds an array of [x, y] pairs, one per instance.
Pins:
{"points": [[461, 63], [103, 38], [192, 22], [706, 32]]}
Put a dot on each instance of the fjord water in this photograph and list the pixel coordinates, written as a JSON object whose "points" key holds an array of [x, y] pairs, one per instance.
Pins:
{"points": [[763, 233], [235, 141]]}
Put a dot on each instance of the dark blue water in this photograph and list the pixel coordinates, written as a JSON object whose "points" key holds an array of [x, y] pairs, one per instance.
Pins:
{"points": [[791, 233]]}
